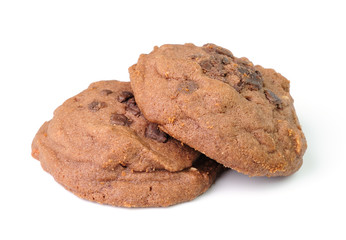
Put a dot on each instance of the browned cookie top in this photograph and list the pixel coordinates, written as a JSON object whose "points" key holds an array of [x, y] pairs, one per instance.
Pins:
{"points": [[104, 125], [239, 114]]}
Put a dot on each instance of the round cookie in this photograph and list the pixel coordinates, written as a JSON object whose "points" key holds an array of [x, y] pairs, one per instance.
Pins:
{"points": [[99, 146], [236, 113]]}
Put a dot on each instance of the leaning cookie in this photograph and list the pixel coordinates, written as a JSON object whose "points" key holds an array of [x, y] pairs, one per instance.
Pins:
{"points": [[100, 147], [236, 113]]}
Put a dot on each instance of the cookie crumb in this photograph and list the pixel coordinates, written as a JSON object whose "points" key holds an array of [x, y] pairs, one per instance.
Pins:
{"points": [[171, 120], [290, 132]]}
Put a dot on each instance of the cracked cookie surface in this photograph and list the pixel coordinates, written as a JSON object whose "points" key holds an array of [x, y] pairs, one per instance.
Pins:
{"points": [[99, 146], [236, 113]]}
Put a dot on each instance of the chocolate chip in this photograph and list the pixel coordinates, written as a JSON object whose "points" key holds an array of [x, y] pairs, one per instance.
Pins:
{"points": [[224, 51], [216, 61], [132, 107], [243, 62], [120, 119], [205, 65], [243, 70], [273, 98], [187, 87], [106, 92], [252, 78], [96, 105], [254, 83], [152, 131], [225, 60], [214, 67], [124, 96], [214, 48]]}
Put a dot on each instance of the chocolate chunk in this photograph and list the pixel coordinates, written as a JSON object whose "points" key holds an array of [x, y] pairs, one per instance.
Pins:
{"points": [[273, 98], [243, 62], [187, 87], [214, 48], [120, 119], [106, 92], [224, 51], [124, 96], [96, 105], [132, 107], [225, 60], [152, 131], [216, 62], [251, 78], [205, 65], [254, 83], [213, 67], [243, 70]]}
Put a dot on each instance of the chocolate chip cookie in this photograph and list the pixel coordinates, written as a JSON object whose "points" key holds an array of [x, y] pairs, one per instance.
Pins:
{"points": [[236, 113], [99, 146]]}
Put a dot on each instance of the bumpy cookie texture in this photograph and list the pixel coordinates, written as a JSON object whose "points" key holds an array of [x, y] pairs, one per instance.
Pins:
{"points": [[236, 113], [99, 146]]}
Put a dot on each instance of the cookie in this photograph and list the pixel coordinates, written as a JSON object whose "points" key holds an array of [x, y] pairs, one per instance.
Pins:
{"points": [[100, 147], [236, 113]]}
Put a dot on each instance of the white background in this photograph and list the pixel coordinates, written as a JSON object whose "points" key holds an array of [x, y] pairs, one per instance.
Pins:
{"points": [[51, 50]]}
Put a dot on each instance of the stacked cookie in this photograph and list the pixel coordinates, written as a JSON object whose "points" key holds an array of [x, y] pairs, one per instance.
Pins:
{"points": [[152, 143]]}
